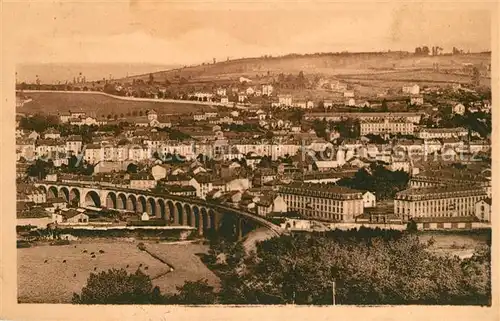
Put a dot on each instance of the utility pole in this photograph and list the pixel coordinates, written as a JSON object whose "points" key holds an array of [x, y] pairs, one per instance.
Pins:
{"points": [[333, 292]]}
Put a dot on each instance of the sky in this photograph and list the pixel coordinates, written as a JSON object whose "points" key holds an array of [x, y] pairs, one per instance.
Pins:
{"points": [[184, 33]]}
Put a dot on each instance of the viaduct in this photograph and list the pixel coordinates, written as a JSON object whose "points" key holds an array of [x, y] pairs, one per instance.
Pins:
{"points": [[177, 210]]}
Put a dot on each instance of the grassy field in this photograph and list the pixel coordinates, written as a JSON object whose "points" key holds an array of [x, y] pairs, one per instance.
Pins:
{"points": [[98, 105], [55, 282], [460, 244], [186, 262]]}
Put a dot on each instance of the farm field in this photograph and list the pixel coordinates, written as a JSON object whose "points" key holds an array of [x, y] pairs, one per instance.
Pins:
{"points": [[325, 64], [55, 281], [188, 266], [98, 105], [414, 76]]}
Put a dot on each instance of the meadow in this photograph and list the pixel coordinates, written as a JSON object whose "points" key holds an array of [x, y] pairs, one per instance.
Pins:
{"points": [[460, 244], [55, 282], [97, 105]]}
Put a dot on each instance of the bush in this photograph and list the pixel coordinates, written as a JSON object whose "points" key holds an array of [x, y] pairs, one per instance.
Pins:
{"points": [[148, 223], [24, 228], [141, 246], [23, 244], [60, 242], [118, 287], [195, 292]]}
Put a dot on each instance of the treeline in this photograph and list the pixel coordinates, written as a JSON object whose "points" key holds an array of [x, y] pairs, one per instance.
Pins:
{"points": [[382, 182], [368, 267]]}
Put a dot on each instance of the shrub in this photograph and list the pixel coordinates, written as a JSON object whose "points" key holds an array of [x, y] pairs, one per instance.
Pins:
{"points": [[118, 287], [141, 246], [23, 244], [148, 223], [59, 242]]}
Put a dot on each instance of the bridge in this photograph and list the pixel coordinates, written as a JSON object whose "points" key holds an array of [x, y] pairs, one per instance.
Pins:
{"points": [[174, 209]]}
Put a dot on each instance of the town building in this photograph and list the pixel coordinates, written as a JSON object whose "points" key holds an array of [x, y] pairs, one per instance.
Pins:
{"points": [[483, 210], [267, 90], [285, 100], [432, 133], [417, 100], [386, 127], [369, 199], [413, 117], [317, 201], [438, 201], [142, 181], [270, 204], [221, 91], [74, 144], [412, 90], [51, 133]]}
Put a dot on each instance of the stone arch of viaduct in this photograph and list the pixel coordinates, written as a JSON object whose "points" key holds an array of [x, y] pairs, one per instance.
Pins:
{"points": [[176, 210]]}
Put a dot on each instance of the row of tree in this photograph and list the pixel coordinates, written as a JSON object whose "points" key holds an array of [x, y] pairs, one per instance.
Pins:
{"points": [[382, 182], [383, 267]]}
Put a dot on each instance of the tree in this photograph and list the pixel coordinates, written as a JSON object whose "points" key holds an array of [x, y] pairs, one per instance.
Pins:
{"points": [[40, 169], [118, 287], [411, 226], [383, 182], [476, 76], [319, 127], [297, 115], [195, 292], [151, 79], [384, 106], [132, 168], [370, 266]]}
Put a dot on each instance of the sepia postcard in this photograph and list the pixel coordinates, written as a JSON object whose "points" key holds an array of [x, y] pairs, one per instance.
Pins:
{"points": [[237, 160]]}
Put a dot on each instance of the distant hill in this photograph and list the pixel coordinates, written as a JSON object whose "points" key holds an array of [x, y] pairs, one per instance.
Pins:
{"points": [[322, 64], [53, 73]]}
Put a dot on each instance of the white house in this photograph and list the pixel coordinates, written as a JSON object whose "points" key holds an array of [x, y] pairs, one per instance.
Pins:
{"points": [[250, 91], [327, 104], [369, 199], [483, 210], [271, 204], [242, 97], [350, 102], [52, 133], [267, 90], [221, 91], [285, 100], [412, 90], [159, 172], [417, 100]]}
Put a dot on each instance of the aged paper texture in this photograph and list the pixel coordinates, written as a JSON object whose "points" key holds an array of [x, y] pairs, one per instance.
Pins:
{"points": [[239, 160]]}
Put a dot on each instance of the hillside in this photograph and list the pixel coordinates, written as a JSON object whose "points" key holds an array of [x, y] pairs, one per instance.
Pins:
{"points": [[98, 105], [322, 64]]}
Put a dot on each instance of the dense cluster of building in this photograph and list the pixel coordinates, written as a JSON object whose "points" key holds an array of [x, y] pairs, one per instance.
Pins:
{"points": [[268, 163]]}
